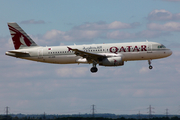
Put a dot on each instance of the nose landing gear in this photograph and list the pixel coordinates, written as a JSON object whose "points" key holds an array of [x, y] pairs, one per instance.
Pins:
{"points": [[150, 66]]}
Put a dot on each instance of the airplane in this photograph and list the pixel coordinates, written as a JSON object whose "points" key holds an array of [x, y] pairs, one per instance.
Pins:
{"points": [[111, 54]]}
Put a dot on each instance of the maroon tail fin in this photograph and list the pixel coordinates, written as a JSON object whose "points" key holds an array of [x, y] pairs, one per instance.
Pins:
{"points": [[19, 37]]}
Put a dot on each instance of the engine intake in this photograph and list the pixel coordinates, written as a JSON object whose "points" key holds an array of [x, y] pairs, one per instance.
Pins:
{"points": [[112, 61]]}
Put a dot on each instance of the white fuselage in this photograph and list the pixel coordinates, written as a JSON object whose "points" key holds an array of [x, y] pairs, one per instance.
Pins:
{"points": [[62, 55]]}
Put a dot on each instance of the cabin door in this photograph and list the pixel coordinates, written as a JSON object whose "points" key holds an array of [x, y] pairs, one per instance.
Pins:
{"points": [[40, 53], [149, 48]]}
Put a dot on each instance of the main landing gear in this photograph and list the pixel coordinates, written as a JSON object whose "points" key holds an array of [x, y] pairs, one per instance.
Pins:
{"points": [[94, 68], [150, 66]]}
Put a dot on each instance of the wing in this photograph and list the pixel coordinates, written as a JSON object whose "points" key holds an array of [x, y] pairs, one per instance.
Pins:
{"points": [[89, 56]]}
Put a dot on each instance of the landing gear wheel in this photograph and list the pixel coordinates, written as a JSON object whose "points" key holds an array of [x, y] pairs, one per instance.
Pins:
{"points": [[150, 67], [94, 69]]}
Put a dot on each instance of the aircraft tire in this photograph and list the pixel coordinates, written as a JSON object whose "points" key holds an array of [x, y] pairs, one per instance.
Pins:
{"points": [[150, 67], [94, 69]]}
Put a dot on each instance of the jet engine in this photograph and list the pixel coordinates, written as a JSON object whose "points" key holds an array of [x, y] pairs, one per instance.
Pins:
{"points": [[112, 61]]}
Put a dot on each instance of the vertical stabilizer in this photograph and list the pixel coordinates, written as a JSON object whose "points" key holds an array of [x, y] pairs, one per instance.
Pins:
{"points": [[19, 37]]}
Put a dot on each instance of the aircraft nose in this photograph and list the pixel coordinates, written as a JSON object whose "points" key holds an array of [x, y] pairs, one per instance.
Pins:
{"points": [[169, 52]]}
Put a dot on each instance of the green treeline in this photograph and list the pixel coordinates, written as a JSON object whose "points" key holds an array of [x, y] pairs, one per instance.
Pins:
{"points": [[83, 118]]}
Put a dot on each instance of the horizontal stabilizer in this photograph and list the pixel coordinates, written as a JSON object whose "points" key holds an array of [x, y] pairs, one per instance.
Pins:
{"points": [[19, 52]]}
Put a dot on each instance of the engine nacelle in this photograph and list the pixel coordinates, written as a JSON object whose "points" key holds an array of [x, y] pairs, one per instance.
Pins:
{"points": [[112, 61]]}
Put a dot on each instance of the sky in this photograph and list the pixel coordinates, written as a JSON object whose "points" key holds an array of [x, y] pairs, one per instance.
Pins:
{"points": [[30, 87]]}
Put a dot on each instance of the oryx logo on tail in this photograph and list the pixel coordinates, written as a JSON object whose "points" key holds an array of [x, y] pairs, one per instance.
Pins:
{"points": [[20, 38]]}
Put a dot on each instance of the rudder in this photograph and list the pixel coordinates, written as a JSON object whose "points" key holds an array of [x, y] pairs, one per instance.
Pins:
{"points": [[19, 37]]}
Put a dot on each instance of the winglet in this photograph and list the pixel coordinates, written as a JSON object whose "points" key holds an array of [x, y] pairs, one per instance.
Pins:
{"points": [[69, 48]]}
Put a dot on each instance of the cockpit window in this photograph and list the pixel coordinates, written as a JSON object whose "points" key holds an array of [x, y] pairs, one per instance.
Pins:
{"points": [[161, 46]]}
